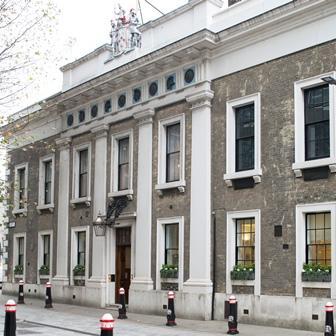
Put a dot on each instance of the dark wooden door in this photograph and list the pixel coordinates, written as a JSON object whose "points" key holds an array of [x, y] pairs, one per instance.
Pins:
{"points": [[123, 261]]}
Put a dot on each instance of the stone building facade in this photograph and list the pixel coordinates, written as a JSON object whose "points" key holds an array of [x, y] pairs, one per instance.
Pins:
{"points": [[218, 135]]}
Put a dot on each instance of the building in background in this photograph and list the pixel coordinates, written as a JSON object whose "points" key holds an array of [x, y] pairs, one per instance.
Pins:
{"points": [[205, 157]]}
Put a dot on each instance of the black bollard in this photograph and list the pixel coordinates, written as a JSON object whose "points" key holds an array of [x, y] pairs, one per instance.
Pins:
{"points": [[21, 295], [232, 320], [48, 298], [122, 309], [329, 321], [10, 318], [106, 325], [171, 310]]}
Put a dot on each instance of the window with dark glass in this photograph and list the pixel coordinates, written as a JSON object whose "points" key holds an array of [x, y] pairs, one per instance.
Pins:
{"points": [[83, 173], [153, 89], [81, 116], [47, 181], [46, 250], [245, 241], [171, 244], [318, 238], [189, 76], [136, 95], [123, 164], [70, 120], [108, 106], [173, 152], [94, 111], [21, 251], [122, 101], [22, 187], [244, 137], [317, 126], [81, 246], [171, 82]]}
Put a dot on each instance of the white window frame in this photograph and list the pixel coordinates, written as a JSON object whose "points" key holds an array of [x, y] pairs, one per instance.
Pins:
{"points": [[301, 211], [162, 150], [41, 201], [300, 162], [160, 245], [231, 249], [16, 210], [40, 248], [114, 165], [16, 236], [75, 176], [231, 172], [74, 241]]}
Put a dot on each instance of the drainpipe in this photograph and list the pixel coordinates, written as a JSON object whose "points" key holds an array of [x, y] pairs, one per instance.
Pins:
{"points": [[213, 264]]}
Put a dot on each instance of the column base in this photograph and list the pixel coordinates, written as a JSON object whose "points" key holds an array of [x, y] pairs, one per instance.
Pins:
{"points": [[142, 284], [200, 286]]}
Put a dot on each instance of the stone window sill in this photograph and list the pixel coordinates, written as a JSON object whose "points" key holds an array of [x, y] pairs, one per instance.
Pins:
{"points": [[180, 185], [82, 200], [243, 282], [316, 284], [44, 277], [42, 207], [120, 193], [299, 166], [254, 173], [20, 212]]}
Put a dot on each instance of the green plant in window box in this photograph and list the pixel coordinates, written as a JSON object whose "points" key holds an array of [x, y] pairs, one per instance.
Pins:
{"points": [[316, 272], [79, 270], [169, 271], [243, 272], [44, 270], [18, 270]]}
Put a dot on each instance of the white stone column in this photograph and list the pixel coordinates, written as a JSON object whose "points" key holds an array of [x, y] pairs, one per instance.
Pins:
{"points": [[200, 208], [62, 276], [143, 227], [99, 205]]}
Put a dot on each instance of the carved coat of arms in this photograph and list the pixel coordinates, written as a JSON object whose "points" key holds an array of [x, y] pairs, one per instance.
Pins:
{"points": [[125, 35]]}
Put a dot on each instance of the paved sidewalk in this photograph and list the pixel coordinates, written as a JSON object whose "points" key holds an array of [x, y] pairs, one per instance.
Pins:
{"points": [[68, 320]]}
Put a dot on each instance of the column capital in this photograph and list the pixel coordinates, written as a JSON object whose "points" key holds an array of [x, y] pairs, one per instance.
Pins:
{"points": [[63, 143], [200, 99], [100, 131], [144, 117]]}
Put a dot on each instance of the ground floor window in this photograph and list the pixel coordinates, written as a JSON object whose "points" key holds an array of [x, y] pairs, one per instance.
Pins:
{"points": [[81, 248], [171, 244], [245, 240]]}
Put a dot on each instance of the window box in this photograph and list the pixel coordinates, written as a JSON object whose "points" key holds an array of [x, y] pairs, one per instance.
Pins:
{"points": [[44, 270], [316, 273], [18, 270], [79, 270], [241, 272], [169, 272]]}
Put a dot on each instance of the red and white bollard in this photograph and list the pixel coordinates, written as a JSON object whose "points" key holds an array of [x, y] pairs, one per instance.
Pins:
{"points": [[171, 310], [21, 295], [122, 301], [232, 320], [106, 325], [48, 298], [329, 321], [10, 318]]}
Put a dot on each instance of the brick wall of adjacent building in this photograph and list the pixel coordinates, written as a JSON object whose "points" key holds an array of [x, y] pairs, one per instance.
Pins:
{"points": [[279, 191]]}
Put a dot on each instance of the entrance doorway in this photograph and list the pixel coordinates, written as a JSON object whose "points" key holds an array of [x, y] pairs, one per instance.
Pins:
{"points": [[123, 261]]}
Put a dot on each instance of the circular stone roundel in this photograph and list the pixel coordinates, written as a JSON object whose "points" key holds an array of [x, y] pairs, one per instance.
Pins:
{"points": [[70, 120], [136, 95], [94, 111], [121, 101], [189, 76], [81, 115], [153, 89]]}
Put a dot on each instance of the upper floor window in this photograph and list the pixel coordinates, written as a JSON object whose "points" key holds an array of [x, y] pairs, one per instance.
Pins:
{"points": [[20, 242], [171, 156], [46, 250], [123, 164], [245, 137], [22, 187], [317, 134], [173, 152], [83, 173], [47, 181], [318, 238]]}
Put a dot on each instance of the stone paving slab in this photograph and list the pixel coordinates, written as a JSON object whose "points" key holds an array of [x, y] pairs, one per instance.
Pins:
{"points": [[68, 320]]}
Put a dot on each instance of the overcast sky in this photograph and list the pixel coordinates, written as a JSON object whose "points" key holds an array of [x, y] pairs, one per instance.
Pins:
{"points": [[87, 23]]}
